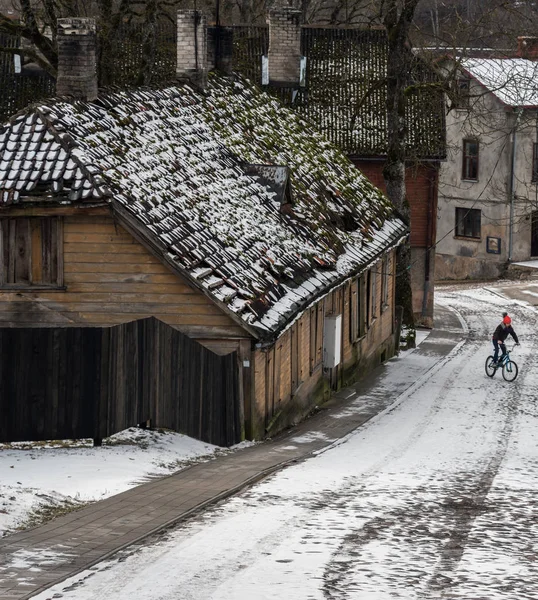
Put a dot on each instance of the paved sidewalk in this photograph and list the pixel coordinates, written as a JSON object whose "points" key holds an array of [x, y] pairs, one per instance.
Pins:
{"points": [[34, 560]]}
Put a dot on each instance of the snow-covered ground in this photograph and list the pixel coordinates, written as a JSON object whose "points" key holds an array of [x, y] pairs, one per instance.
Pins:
{"points": [[41, 479], [37, 479], [434, 498]]}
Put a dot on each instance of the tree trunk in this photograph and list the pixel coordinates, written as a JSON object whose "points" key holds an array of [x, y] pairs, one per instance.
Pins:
{"points": [[398, 19]]}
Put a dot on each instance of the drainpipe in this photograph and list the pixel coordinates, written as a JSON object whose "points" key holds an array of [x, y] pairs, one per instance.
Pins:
{"points": [[429, 244], [513, 187]]}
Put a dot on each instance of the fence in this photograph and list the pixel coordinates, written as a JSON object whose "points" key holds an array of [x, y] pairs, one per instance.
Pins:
{"points": [[90, 382]]}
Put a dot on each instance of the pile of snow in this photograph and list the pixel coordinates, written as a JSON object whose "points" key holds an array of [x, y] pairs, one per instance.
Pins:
{"points": [[41, 477]]}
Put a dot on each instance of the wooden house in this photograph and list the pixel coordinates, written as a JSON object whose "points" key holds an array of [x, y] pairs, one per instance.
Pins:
{"points": [[220, 213]]}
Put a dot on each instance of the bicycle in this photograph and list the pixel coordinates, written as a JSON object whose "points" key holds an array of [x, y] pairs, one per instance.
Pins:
{"points": [[509, 367]]}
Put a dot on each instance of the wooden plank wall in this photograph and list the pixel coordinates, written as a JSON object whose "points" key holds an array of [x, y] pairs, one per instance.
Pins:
{"points": [[288, 375], [60, 383], [110, 278]]}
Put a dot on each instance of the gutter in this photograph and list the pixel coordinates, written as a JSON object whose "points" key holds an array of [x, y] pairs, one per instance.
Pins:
{"points": [[512, 186], [430, 243]]}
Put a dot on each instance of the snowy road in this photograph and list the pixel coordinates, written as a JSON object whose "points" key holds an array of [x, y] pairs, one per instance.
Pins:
{"points": [[432, 499]]}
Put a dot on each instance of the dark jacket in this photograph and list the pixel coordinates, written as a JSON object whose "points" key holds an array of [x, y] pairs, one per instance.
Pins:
{"points": [[502, 331]]}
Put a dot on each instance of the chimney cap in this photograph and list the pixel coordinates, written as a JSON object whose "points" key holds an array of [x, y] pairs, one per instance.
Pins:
{"points": [[76, 26]]}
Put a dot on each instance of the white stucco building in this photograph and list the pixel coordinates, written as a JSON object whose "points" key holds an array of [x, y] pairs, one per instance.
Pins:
{"points": [[488, 187]]}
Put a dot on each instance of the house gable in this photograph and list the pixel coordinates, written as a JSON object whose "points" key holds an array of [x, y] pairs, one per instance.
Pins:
{"points": [[110, 278]]}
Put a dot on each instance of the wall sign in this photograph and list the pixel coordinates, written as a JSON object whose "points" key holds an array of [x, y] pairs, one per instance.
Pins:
{"points": [[493, 245]]}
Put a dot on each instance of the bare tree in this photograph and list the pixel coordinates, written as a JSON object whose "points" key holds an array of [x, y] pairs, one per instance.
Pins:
{"points": [[398, 18]]}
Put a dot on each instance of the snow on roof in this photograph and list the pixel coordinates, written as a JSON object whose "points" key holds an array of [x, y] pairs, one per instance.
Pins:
{"points": [[514, 81], [175, 164]]}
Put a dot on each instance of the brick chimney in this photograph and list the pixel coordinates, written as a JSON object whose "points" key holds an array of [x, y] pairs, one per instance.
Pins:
{"points": [[284, 46], [191, 47], [77, 58], [527, 47]]}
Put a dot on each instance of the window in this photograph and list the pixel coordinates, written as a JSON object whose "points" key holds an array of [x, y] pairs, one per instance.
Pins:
{"points": [[354, 332], [470, 160], [316, 335], [535, 162], [463, 94], [373, 291], [296, 370], [363, 305], [385, 282], [468, 222], [31, 250]]}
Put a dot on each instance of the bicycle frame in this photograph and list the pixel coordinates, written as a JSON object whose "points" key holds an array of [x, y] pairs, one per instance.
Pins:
{"points": [[505, 358]]}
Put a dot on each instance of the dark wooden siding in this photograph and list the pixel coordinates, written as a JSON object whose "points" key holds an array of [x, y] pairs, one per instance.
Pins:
{"points": [[61, 383]]}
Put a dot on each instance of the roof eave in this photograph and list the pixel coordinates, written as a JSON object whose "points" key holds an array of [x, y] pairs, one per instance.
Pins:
{"points": [[272, 336]]}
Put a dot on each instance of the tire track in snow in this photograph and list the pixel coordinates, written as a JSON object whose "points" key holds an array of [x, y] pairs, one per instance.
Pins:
{"points": [[338, 575], [459, 507], [469, 505]]}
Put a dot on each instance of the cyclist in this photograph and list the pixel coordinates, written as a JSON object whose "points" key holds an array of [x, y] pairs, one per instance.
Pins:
{"points": [[499, 336]]}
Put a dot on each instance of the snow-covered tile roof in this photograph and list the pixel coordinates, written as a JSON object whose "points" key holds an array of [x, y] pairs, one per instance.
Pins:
{"points": [[176, 164], [514, 81]]}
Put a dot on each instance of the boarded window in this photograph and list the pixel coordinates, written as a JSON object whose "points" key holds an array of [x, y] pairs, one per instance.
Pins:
{"points": [[373, 291], [269, 384], [32, 252], [316, 335], [295, 358], [363, 305], [385, 281], [354, 325], [470, 160], [277, 387]]}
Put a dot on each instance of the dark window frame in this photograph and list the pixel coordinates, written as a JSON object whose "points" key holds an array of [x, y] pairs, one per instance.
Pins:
{"points": [[373, 292], [296, 356], [317, 319], [535, 162], [363, 305], [470, 162], [354, 323], [385, 282], [468, 223]]}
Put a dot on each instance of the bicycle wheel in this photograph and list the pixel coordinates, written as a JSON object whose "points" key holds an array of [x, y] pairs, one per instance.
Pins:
{"points": [[510, 370], [490, 367]]}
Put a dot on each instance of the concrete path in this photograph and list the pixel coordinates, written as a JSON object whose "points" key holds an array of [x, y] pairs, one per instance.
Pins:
{"points": [[35, 559]]}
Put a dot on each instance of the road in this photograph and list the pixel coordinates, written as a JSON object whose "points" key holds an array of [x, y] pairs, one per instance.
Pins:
{"points": [[433, 499]]}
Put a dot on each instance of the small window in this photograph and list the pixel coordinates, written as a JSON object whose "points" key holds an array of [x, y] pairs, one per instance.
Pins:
{"points": [[31, 250], [468, 222], [296, 371], [463, 92], [373, 291], [363, 305], [470, 160], [354, 324], [535, 162], [385, 282], [317, 314]]}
